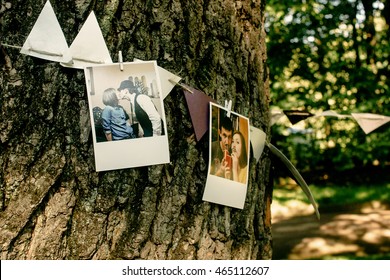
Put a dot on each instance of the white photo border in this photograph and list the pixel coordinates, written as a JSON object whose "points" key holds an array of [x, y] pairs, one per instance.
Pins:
{"points": [[132, 152], [225, 191]]}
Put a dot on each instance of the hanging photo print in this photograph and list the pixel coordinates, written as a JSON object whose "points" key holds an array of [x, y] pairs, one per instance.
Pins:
{"points": [[127, 115], [227, 178]]}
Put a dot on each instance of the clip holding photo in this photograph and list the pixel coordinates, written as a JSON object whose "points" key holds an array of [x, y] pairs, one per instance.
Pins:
{"points": [[120, 60], [228, 107]]}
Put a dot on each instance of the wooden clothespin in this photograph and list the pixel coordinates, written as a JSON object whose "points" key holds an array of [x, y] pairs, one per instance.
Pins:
{"points": [[228, 107], [120, 60]]}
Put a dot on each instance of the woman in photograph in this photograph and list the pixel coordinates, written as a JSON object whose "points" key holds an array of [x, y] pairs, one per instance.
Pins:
{"points": [[239, 158], [114, 118]]}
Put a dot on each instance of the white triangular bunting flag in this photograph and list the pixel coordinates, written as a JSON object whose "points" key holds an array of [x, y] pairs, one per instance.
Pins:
{"points": [[258, 141], [369, 122], [275, 116], [166, 77], [89, 47], [46, 40], [331, 113]]}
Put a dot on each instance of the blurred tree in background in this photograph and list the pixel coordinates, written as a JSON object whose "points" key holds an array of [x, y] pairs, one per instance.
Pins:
{"points": [[330, 55]]}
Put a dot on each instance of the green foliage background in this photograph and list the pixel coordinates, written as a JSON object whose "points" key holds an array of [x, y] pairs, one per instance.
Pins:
{"points": [[330, 55]]}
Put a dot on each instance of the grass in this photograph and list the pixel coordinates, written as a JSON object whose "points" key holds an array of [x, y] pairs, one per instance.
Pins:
{"points": [[328, 196]]}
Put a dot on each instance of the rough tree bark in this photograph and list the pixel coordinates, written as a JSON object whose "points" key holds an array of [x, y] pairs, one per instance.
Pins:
{"points": [[55, 206]]}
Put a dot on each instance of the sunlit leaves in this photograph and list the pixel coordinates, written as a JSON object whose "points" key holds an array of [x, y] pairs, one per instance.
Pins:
{"points": [[331, 54]]}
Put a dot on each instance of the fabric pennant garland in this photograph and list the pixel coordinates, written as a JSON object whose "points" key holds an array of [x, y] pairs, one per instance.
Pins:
{"points": [[295, 116], [369, 122], [198, 105], [89, 47], [46, 39]]}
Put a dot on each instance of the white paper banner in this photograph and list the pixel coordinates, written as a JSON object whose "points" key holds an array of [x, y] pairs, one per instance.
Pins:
{"points": [[46, 40], [258, 141], [369, 122], [89, 47]]}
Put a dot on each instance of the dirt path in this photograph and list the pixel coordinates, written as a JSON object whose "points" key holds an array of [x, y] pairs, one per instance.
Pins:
{"points": [[359, 232]]}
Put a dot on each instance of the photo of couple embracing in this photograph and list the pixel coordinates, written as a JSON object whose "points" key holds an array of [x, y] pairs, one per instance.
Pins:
{"points": [[127, 115]]}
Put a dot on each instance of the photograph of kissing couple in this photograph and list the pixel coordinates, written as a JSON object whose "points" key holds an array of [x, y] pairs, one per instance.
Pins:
{"points": [[127, 115]]}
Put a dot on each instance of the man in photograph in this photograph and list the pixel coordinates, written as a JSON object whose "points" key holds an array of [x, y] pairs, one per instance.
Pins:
{"points": [[143, 108], [219, 147]]}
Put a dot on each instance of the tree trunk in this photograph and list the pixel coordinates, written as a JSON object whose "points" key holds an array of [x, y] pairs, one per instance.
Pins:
{"points": [[55, 206]]}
